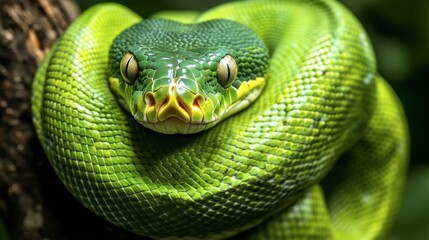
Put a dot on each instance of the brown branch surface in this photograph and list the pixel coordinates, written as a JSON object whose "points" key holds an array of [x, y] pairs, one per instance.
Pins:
{"points": [[33, 202]]}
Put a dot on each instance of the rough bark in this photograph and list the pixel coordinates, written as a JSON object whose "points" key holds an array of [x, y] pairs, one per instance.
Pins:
{"points": [[33, 202]]}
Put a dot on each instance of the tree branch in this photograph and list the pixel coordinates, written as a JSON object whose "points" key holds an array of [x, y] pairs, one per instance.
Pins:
{"points": [[33, 202]]}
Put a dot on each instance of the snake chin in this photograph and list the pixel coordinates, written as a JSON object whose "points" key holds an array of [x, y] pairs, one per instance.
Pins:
{"points": [[174, 125]]}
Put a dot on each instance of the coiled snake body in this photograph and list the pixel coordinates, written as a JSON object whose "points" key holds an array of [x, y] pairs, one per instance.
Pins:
{"points": [[269, 124]]}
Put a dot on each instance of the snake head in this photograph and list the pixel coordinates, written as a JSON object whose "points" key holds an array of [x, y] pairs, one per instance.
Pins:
{"points": [[185, 78]]}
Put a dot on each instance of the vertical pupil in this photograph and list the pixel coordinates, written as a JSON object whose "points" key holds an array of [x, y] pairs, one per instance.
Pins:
{"points": [[126, 66], [226, 71], [229, 72]]}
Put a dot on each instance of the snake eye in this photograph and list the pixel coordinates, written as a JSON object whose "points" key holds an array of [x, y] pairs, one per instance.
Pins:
{"points": [[226, 71], [129, 68]]}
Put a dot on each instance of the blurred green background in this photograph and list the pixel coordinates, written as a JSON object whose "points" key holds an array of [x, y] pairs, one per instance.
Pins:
{"points": [[399, 31]]}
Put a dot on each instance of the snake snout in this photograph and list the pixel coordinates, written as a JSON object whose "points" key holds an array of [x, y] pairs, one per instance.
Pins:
{"points": [[176, 104], [173, 107]]}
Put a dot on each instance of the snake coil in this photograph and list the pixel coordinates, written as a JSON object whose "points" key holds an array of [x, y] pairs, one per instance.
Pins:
{"points": [[320, 154]]}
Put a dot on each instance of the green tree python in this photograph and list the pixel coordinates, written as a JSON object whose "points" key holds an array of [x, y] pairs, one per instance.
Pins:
{"points": [[253, 120]]}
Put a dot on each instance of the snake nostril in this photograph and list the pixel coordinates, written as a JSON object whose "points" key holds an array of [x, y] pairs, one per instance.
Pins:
{"points": [[198, 101], [149, 100]]}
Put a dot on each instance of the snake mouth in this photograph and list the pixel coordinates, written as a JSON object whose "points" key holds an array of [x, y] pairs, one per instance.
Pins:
{"points": [[176, 126], [173, 112], [174, 117], [187, 113], [183, 107]]}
